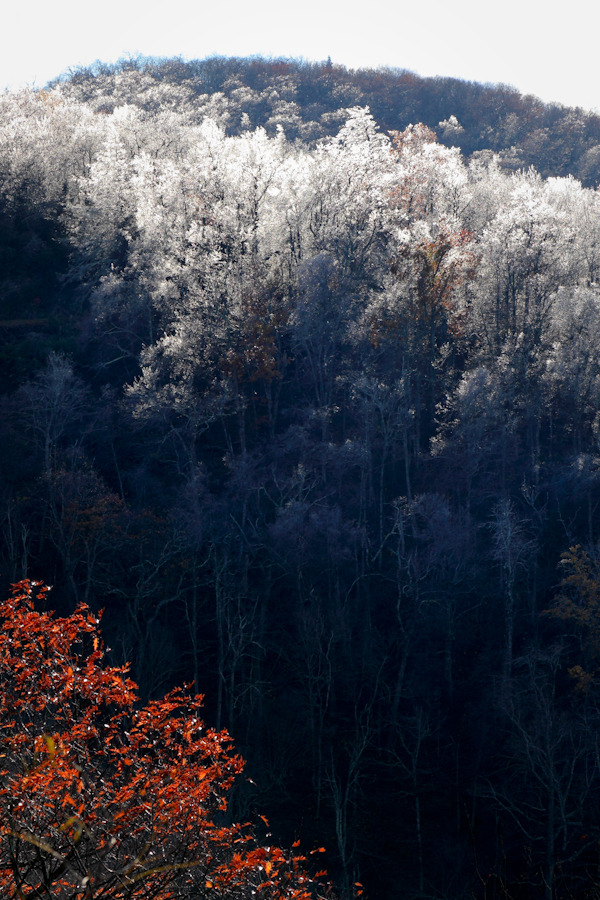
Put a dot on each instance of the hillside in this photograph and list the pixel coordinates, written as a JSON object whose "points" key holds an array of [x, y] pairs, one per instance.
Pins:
{"points": [[306, 99], [312, 412]]}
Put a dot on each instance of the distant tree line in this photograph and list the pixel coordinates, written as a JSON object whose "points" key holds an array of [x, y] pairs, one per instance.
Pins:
{"points": [[307, 100]]}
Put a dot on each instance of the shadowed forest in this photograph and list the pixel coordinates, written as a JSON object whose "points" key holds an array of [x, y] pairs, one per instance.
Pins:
{"points": [[300, 384]]}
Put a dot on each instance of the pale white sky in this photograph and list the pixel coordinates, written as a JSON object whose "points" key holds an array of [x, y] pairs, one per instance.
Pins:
{"points": [[539, 48]]}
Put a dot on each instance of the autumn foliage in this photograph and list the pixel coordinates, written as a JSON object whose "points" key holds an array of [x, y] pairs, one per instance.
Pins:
{"points": [[103, 798]]}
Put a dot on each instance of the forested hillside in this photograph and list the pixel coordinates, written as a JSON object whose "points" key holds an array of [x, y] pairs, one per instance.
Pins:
{"points": [[308, 402], [308, 100]]}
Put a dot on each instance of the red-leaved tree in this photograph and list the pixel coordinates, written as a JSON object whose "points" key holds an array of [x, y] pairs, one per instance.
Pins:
{"points": [[103, 799]]}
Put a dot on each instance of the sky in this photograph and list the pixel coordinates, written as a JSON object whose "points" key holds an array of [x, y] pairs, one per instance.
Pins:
{"points": [[524, 43]]}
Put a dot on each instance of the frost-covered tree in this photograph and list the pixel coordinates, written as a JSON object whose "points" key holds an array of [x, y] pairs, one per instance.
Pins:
{"points": [[525, 257]]}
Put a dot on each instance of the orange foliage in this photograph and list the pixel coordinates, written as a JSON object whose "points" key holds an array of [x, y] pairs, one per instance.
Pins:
{"points": [[579, 599], [579, 602], [257, 356], [432, 269], [438, 266], [102, 798]]}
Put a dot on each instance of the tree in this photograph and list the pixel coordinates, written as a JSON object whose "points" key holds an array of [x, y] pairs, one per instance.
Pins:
{"points": [[526, 255], [510, 549], [49, 404], [100, 797], [549, 787], [579, 603]]}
